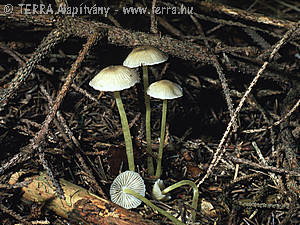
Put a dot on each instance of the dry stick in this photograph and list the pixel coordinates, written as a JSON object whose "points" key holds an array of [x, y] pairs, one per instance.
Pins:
{"points": [[181, 49], [80, 205], [41, 134], [264, 162], [68, 135], [58, 189], [84, 92], [263, 205], [246, 15], [227, 21], [69, 79], [21, 58], [54, 37], [81, 28], [264, 167], [92, 179], [242, 14], [221, 76], [44, 162], [218, 154], [277, 122], [153, 27], [18, 158], [35, 142]]}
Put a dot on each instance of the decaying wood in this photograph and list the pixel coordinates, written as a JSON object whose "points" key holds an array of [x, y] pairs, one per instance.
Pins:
{"points": [[79, 204]]}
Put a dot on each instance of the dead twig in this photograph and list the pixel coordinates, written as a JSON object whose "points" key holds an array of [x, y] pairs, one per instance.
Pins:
{"points": [[221, 149]]}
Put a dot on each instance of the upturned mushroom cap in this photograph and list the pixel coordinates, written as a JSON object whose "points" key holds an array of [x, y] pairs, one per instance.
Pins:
{"points": [[157, 189], [144, 55], [130, 180], [164, 89], [115, 78]]}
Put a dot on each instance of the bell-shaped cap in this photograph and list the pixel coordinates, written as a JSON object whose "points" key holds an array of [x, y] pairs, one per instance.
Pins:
{"points": [[129, 180], [164, 89], [115, 78], [144, 56], [157, 189]]}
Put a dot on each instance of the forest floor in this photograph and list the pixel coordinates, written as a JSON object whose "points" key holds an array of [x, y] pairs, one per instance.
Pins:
{"points": [[235, 132]]}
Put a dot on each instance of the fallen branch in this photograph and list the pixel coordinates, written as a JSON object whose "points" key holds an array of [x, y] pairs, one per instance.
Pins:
{"points": [[79, 205]]}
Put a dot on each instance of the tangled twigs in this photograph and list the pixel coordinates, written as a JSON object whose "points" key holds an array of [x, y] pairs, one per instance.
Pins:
{"points": [[264, 167], [18, 158], [23, 73], [287, 115], [58, 189], [68, 135], [14, 214], [69, 79], [222, 77], [44, 129], [221, 150], [81, 28], [288, 144]]}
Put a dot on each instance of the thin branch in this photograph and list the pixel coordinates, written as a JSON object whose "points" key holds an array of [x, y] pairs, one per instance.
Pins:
{"points": [[220, 150]]}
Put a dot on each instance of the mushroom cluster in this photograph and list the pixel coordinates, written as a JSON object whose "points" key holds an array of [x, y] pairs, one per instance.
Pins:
{"points": [[128, 188], [146, 56]]}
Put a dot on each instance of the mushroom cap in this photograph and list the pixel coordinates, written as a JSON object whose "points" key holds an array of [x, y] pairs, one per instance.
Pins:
{"points": [[130, 180], [157, 189], [115, 78], [144, 55], [164, 89]]}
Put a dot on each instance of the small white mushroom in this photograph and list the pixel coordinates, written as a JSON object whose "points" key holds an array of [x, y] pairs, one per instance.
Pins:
{"points": [[157, 189], [116, 79], [128, 191], [146, 56], [127, 180], [163, 89]]}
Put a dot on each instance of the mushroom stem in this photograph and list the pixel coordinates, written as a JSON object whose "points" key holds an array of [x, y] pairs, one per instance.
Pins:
{"points": [[126, 131], [195, 193], [162, 138], [148, 126], [154, 207]]}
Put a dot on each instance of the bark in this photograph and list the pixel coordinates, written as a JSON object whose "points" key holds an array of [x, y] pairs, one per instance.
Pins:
{"points": [[79, 205]]}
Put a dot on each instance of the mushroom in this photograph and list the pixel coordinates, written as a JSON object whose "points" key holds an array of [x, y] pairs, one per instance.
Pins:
{"points": [[163, 89], [146, 56], [127, 180], [115, 79], [157, 191], [128, 190]]}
